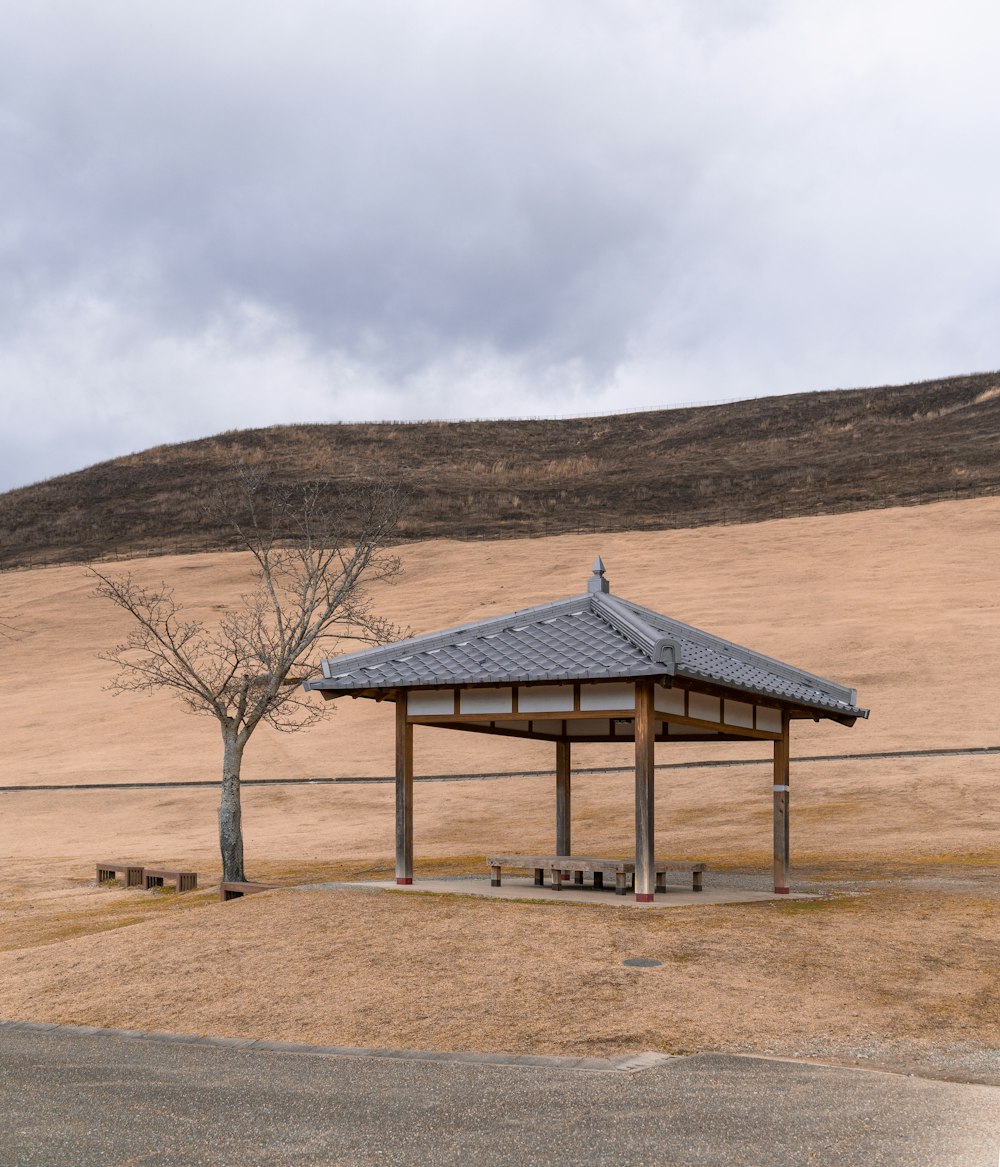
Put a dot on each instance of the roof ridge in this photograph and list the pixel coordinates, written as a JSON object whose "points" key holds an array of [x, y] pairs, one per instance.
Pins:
{"points": [[747, 655], [428, 641], [645, 637]]}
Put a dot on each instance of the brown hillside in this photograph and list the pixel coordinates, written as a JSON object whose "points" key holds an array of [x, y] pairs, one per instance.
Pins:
{"points": [[904, 604], [803, 454], [895, 965]]}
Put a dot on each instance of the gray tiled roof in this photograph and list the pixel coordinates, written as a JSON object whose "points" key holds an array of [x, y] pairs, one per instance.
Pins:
{"points": [[595, 636]]}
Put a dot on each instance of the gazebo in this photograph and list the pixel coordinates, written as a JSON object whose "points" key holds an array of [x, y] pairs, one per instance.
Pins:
{"points": [[591, 668]]}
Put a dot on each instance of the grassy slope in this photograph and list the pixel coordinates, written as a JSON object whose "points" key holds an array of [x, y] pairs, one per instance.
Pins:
{"points": [[903, 604], [801, 454]]}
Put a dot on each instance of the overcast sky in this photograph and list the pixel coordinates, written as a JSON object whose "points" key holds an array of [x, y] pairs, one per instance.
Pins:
{"points": [[229, 213]]}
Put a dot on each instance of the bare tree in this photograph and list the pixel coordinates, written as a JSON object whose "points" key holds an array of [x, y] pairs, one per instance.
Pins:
{"points": [[315, 559]]}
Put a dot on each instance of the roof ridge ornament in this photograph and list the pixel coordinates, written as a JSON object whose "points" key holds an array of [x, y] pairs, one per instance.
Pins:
{"points": [[597, 582], [660, 647]]}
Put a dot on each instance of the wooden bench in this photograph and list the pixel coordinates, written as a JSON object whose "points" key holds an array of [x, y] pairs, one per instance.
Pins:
{"points": [[234, 890], [182, 880], [662, 866], [559, 868], [131, 873]]}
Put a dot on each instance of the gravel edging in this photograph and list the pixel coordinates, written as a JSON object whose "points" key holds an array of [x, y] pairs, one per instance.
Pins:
{"points": [[627, 1064]]}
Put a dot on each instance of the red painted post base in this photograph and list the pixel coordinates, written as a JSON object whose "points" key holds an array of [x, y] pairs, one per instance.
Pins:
{"points": [[404, 880], [643, 898], [781, 891]]}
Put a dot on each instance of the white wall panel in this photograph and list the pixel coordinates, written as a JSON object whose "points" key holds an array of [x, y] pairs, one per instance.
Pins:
{"points": [[545, 699], [738, 713], [703, 707], [616, 696], [424, 702], [486, 701], [669, 700], [769, 719]]}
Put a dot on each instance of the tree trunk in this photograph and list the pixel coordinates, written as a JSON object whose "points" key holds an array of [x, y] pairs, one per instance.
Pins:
{"points": [[230, 812]]}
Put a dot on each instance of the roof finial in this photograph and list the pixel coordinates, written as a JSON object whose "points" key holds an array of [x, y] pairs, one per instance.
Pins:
{"points": [[597, 582]]}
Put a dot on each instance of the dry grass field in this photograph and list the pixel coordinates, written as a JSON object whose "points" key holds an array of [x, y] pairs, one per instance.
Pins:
{"points": [[896, 963], [745, 461]]}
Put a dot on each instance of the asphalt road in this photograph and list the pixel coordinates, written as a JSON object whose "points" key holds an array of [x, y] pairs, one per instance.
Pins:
{"points": [[73, 1100]]}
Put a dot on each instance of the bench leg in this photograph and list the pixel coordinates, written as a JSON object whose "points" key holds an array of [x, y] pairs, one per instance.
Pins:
{"points": [[620, 877], [661, 881], [556, 879], [598, 880], [539, 877], [494, 877], [578, 878], [696, 881]]}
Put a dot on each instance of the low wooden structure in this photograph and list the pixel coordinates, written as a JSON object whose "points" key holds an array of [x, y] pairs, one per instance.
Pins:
{"points": [[561, 867], [234, 890], [131, 874], [591, 668], [137, 875], [182, 880]]}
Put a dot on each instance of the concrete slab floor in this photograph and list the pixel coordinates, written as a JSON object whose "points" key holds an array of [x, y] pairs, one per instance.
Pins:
{"points": [[524, 888]]}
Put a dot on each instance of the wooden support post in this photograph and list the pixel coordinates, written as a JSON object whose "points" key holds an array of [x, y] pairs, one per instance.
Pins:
{"points": [[404, 793], [780, 789], [563, 799], [645, 738]]}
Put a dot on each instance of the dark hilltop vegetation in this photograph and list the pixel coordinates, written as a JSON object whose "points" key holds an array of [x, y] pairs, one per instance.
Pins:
{"points": [[803, 454]]}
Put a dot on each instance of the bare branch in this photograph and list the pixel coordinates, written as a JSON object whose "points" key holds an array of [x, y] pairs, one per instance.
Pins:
{"points": [[317, 550], [312, 587]]}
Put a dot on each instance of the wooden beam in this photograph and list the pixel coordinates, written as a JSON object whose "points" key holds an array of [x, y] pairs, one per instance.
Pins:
{"points": [[645, 737], [780, 811], [404, 792], [563, 799], [533, 715], [536, 734], [460, 720]]}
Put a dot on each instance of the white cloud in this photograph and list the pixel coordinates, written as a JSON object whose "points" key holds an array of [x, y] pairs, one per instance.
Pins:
{"points": [[243, 213]]}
